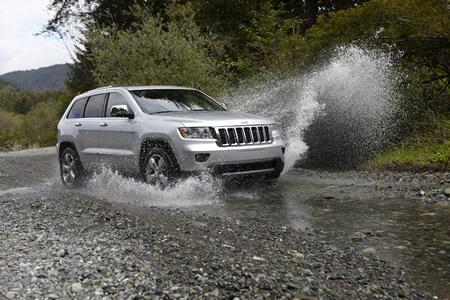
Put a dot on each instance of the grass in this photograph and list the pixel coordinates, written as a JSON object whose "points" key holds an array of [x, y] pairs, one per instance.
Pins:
{"points": [[427, 150]]}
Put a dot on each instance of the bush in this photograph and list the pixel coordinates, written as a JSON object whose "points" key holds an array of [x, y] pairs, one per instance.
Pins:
{"points": [[10, 130]]}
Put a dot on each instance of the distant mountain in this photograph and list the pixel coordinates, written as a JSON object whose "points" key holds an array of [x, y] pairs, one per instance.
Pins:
{"points": [[46, 78]]}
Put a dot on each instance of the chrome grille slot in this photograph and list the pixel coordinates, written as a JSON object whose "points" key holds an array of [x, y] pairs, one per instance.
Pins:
{"points": [[248, 135], [262, 137], [267, 133], [231, 136], [240, 135], [245, 135], [255, 134]]}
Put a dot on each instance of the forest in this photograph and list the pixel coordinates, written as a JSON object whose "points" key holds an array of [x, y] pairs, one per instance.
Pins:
{"points": [[218, 45]]}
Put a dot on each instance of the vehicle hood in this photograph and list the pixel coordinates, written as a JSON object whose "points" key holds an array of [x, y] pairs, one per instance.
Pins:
{"points": [[214, 118]]}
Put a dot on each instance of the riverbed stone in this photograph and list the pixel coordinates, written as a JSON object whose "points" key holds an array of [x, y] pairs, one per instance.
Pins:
{"points": [[369, 250], [447, 192]]}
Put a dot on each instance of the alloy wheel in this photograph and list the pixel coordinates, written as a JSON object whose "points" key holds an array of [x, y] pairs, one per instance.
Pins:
{"points": [[156, 171], [68, 169]]}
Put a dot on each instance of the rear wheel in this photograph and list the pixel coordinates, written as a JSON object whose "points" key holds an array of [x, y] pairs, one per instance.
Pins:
{"points": [[71, 169], [159, 167]]}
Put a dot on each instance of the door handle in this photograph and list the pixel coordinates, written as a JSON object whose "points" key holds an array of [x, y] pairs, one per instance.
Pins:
{"points": [[103, 124], [78, 124]]}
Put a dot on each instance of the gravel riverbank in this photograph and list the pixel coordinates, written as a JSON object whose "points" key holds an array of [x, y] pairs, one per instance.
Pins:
{"points": [[61, 245]]}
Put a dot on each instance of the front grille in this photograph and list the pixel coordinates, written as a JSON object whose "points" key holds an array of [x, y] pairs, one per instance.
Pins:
{"points": [[239, 136]]}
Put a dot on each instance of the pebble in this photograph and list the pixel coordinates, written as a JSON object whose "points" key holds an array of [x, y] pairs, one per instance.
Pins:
{"points": [[369, 250], [76, 287], [447, 192], [298, 255]]}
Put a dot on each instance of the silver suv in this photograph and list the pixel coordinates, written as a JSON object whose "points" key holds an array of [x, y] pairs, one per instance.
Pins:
{"points": [[159, 133]]}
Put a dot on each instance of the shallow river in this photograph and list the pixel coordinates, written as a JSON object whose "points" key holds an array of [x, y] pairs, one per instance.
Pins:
{"points": [[376, 216]]}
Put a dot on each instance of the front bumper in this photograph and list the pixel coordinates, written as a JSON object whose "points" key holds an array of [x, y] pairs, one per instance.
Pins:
{"points": [[231, 160]]}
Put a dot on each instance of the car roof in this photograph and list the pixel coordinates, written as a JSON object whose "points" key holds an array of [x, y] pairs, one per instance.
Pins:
{"points": [[133, 88], [106, 89]]}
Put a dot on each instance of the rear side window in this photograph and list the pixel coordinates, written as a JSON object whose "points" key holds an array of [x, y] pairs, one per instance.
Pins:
{"points": [[94, 107], [77, 109]]}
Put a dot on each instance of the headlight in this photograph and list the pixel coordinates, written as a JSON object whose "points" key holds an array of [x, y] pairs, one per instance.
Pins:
{"points": [[195, 133], [275, 131]]}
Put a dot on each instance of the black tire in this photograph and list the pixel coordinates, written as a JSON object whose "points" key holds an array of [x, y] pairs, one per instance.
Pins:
{"points": [[75, 176], [160, 155], [279, 165], [274, 175]]}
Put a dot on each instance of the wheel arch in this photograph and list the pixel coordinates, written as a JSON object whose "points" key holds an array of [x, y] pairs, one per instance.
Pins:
{"points": [[152, 142], [64, 145]]}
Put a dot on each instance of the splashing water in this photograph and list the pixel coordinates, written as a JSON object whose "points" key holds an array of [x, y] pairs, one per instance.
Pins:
{"points": [[191, 191], [286, 102], [351, 99]]}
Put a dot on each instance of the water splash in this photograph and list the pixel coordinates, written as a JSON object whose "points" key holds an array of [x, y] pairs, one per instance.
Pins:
{"points": [[288, 102], [351, 99], [193, 191]]}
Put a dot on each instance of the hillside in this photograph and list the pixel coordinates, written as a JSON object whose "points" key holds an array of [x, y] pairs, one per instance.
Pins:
{"points": [[46, 78]]}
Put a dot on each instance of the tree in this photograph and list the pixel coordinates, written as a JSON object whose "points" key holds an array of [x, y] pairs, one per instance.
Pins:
{"points": [[157, 53]]}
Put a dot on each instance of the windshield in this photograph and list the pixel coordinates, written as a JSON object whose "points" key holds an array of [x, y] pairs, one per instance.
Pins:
{"points": [[162, 101]]}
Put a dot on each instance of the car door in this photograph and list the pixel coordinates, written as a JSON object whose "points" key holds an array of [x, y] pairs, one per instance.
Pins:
{"points": [[118, 138], [88, 147]]}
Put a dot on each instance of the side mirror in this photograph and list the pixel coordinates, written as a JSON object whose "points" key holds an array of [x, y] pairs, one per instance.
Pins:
{"points": [[121, 111], [224, 105]]}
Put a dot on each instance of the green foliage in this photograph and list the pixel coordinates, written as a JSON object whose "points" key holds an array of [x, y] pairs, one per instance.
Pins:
{"points": [[42, 119], [428, 149], [173, 53], [21, 102], [413, 158], [378, 21], [9, 126], [29, 119]]}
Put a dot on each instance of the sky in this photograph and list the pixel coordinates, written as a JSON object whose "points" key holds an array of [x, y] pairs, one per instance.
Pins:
{"points": [[20, 48]]}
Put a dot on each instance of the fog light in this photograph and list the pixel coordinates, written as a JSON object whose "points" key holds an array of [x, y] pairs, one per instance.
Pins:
{"points": [[201, 157]]}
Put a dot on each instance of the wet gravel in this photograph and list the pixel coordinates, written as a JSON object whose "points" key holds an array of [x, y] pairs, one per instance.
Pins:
{"points": [[61, 245]]}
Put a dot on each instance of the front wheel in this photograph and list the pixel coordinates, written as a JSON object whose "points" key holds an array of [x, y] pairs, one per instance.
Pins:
{"points": [[71, 169], [159, 168], [274, 175], [279, 166]]}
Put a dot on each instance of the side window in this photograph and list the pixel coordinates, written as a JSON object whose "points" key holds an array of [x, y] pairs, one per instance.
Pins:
{"points": [[94, 107], [116, 101], [77, 109]]}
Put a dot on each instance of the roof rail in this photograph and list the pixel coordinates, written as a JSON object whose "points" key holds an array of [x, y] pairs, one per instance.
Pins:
{"points": [[102, 87]]}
